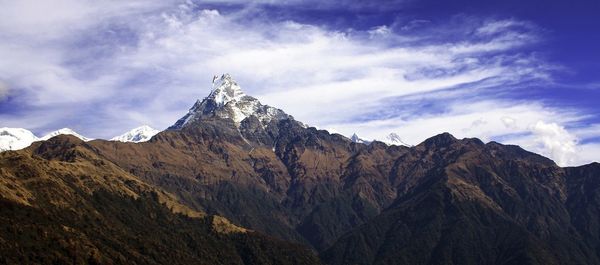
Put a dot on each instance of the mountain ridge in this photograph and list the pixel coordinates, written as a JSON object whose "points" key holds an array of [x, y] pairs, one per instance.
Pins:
{"points": [[443, 201]]}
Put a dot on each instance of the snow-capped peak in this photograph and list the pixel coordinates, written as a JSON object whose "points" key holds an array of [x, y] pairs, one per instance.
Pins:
{"points": [[64, 131], [18, 138], [394, 139], [390, 139], [225, 90], [137, 135], [15, 138], [357, 139], [227, 100]]}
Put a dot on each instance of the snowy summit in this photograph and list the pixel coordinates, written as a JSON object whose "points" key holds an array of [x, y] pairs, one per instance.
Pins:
{"points": [[225, 90], [18, 138], [227, 100], [359, 140], [394, 139], [15, 138], [137, 135], [65, 131], [390, 139]]}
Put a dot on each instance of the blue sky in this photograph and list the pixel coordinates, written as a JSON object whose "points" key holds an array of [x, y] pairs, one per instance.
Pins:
{"points": [[518, 72]]}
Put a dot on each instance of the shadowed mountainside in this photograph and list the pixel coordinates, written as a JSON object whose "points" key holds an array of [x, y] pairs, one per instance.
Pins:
{"points": [[465, 202]]}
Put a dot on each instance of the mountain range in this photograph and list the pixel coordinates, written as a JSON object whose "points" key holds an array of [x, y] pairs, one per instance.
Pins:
{"points": [[390, 139], [19, 138], [238, 182]]}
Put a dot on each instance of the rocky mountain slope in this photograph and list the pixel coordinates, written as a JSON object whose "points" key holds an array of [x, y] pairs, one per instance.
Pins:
{"points": [[444, 201], [64, 204], [462, 201]]}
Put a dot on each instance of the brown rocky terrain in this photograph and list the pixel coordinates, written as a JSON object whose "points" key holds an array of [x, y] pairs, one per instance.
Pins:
{"points": [[62, 203]]}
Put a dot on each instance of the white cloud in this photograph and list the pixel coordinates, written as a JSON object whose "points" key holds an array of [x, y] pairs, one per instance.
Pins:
{"points": [[482, 119], [587, 131], [281, 62], [508, 122], [380, 31], [3, 90], [555, 141], [498, 26], [57, 19]]}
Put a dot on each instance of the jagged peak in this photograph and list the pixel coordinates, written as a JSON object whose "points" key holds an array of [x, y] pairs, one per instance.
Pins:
{"points": [[355, 138], [395, 139], [227, 100], [225, 90]]}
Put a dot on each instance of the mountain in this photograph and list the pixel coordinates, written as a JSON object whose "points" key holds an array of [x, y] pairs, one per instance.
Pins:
{"points": [[137, 135], [228, 101], [466, 202], [390, 139], [356, 139], [64, 131], [394, 139], [15, 138], [274, 185], [18, 138], [62, 203], [262, 170]]}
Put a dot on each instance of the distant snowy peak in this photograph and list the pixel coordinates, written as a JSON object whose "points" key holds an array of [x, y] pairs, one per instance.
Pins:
{"points": [[137, 135], [15, 138], [18, 138], [390, 139], [359, 140], [65, 131], [227, 100], [394, 139]]}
